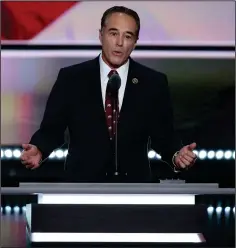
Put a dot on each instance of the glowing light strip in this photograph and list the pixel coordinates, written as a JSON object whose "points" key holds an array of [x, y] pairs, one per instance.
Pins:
{"points": [[89, 54], [140, 43], [9, 153], [118, 237], [133, 199]]}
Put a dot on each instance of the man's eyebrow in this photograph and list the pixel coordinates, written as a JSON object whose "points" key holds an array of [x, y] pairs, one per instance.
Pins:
{"points": [[112, 29], [115, 29], [129, 32]]}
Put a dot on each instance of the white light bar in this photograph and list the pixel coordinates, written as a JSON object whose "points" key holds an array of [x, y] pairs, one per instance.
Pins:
{"points": [[59, 154], [96, 42], [119, 237], [133, 199], [89, 54]]}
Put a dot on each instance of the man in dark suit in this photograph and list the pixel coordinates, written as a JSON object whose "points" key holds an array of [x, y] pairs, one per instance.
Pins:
{"points": [[80, 99]]}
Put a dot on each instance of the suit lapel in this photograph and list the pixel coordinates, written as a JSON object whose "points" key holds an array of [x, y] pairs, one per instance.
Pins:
{"points": [[96, 96], [132, 86]]}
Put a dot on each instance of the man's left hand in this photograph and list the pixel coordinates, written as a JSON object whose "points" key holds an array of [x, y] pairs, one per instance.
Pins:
{"points": [[186, 157]]}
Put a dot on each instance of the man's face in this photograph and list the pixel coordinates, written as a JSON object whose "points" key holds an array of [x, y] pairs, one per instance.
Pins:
{"points": [[118, 38]]}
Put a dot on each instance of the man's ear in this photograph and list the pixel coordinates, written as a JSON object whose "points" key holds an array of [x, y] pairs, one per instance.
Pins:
{"points": [[100, 35], [135, 44]]}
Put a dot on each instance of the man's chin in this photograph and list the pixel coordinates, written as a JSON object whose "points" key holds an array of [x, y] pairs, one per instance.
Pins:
{"points": [[117, 62]]}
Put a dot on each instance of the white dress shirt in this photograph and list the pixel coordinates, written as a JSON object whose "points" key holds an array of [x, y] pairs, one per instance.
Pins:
{"points": [[123, 73]]}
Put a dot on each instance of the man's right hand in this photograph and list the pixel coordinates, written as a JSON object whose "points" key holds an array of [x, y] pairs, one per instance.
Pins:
{"points": [[31, 156]]}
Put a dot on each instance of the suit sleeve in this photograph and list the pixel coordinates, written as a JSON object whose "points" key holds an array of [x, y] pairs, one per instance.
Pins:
{"points": [[163, 139], [50, 134]]}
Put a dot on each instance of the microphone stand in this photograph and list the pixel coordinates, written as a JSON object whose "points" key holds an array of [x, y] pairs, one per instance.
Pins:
{"points": [[114, 83], [115, 106]]}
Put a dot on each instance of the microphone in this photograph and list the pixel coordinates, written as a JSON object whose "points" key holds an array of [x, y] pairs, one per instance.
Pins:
{"points": [[113, 85]]}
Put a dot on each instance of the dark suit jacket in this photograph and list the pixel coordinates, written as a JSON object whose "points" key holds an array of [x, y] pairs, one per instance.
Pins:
{"points": [[76, 102]]}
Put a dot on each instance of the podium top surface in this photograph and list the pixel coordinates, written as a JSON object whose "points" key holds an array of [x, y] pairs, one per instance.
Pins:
{"points": [[117, 188]]}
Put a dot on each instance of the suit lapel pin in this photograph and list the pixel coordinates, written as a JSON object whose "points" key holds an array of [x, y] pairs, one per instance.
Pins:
{"points": [[134, 80]]}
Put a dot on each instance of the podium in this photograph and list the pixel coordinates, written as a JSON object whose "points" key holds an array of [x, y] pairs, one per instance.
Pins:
{"points": [[109, 214]]}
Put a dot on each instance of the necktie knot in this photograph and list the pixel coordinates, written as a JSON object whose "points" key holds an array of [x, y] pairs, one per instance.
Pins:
{"points": [[112, 72]]}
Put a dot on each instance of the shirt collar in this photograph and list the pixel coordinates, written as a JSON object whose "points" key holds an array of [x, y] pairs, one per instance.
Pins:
{"points": [[105, 69]]}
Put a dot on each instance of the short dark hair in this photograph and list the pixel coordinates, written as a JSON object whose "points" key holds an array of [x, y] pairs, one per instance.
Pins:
{"points": [[121, 9]]}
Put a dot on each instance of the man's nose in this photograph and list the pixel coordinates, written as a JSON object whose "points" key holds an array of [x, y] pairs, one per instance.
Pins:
{"points": [[120, 41]]}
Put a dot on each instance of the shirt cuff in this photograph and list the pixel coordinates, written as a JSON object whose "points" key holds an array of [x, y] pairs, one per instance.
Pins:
{"points": [[173, 162]]}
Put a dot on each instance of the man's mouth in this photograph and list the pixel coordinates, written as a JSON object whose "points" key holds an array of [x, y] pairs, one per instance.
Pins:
{"points": [[117, 53]]}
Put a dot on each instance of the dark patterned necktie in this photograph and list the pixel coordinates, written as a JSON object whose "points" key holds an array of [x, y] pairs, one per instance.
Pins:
{"points": [[111, 109]]}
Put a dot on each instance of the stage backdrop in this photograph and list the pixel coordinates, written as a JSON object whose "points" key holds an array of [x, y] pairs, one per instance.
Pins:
{"points": [[78, 22], [196, 86]]}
